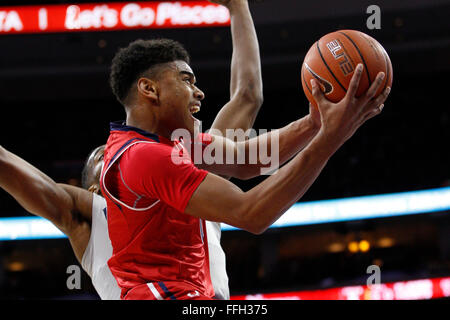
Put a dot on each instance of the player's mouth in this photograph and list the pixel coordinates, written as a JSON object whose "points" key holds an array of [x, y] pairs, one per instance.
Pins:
{"points": [[194, 108]]}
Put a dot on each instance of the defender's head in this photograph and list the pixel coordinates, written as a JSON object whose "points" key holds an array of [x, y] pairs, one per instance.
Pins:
{"points": [[156, 74], [90, 177]]}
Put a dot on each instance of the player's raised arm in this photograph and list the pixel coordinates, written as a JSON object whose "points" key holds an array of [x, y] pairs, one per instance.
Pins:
{"points": [[246, 89], [67, 207], [255, 210], [246, 96]]}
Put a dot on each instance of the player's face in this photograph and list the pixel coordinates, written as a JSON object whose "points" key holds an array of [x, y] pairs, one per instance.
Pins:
{"points": [[180, 97], [95, 162]]}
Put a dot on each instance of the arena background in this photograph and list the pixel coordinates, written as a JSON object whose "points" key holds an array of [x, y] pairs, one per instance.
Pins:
{"points": [[56, 106]]}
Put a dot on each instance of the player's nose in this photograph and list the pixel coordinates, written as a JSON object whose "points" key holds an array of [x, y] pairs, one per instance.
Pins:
{"points": [[198, 94]]}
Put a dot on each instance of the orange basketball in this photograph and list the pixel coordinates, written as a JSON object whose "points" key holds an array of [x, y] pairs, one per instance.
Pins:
{"points": [[333, 59]]}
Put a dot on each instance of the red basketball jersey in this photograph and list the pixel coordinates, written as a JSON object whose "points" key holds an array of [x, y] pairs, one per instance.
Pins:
{"points": [[147, 189]]}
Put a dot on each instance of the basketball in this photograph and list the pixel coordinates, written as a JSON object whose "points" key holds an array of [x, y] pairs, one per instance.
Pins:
{"points": [[332, 59]]}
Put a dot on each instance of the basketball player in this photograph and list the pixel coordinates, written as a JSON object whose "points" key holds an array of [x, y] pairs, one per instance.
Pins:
{"points": [[157, 207], [81, 214]]}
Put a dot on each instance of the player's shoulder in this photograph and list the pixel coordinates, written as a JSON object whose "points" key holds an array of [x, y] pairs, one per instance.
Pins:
{"points": [[146, 146], [149, 151]]}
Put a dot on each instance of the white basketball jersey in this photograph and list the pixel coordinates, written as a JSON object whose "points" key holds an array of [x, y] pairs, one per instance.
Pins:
{"points": [[217, 265], [99, 250]]}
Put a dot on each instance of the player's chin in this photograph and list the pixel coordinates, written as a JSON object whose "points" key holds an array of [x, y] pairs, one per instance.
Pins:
{"points": [[194, 126], [190, 122]]}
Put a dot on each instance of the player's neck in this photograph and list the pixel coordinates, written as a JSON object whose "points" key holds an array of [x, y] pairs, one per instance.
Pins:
{"points": [[143, 119]]}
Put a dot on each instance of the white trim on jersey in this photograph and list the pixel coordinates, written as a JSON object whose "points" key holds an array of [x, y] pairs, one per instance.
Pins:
{"points": [[109, 167], [154, 291]]}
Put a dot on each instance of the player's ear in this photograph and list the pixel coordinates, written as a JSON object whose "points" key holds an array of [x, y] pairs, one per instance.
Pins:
{"points": [[148, 88], [95, 188]]}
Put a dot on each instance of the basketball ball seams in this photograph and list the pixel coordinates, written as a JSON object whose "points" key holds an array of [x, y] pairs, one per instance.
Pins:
{"points": [[337, 54], [360, 54], [304, 80], [388, 70], [329, 70]]}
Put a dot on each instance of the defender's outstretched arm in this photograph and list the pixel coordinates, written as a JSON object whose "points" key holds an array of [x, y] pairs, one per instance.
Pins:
{"points": [[246, 88], [69, 208]]}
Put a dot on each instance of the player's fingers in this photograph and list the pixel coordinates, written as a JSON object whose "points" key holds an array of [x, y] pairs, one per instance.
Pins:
{"points": [[312, 107], [375, 86], [373, 113], [317, 93], [354, 82], [379, 100]]}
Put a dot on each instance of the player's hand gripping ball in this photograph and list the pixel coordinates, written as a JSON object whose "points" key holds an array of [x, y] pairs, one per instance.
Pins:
{"points": [[333, 59]]}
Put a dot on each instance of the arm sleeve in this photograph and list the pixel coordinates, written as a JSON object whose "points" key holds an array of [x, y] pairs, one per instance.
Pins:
{"points": [[162, 172]]}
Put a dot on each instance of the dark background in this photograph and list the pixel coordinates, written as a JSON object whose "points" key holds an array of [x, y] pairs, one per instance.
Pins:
{"points": [[56, 106]]}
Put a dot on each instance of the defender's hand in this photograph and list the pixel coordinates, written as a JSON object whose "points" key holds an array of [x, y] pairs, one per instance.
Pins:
{"points": [[222, 2], [227, 3]]}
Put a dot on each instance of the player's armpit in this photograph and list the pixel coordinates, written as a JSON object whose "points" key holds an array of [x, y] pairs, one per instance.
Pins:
{"points": [[81, 206], [77, 223]]}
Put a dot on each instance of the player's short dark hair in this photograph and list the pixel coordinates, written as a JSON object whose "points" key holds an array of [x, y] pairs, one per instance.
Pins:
{"points": [[131, 62]]}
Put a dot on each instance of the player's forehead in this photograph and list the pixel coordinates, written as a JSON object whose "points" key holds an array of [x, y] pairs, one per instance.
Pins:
{"points": [[175, 69], [182, 67]]}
